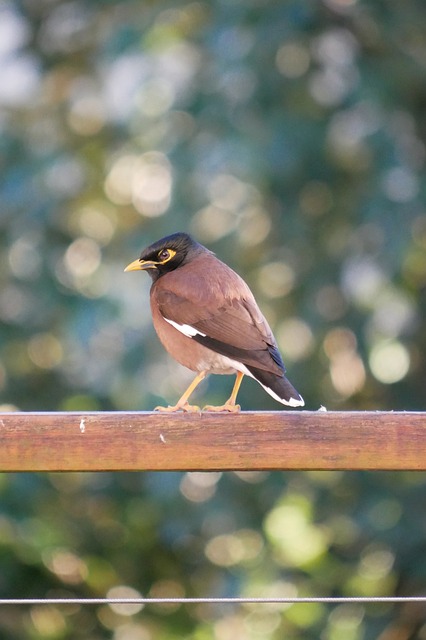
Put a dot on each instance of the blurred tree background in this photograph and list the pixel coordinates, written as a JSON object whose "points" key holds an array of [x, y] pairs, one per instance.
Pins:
{"points": [[289, 137]]}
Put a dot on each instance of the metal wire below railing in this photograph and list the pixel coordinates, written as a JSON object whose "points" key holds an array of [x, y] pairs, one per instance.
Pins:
{"points": [[242, 600]]}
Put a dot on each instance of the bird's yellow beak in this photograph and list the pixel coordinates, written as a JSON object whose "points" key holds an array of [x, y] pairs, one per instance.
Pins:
{"points": [[141, 265]]}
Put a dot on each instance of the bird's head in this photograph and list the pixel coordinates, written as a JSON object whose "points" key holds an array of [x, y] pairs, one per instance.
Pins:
{"points": [[166, 255]]}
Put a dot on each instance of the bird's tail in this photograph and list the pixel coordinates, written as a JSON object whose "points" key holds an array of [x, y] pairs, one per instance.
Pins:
{"points": [[278, 387]]}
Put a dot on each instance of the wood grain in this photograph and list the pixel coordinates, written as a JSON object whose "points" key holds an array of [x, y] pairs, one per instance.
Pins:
{"points": [[286, 440]]}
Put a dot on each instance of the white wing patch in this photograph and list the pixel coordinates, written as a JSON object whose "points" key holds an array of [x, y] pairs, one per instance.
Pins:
{"points": [[186, 329]]}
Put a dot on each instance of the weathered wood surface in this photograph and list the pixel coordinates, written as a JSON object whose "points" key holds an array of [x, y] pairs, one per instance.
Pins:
{"points": [[286, 440]]}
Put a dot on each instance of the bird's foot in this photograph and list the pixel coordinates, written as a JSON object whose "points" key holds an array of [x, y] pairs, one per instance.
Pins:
{"points": [[231, 408], [187, 408]]}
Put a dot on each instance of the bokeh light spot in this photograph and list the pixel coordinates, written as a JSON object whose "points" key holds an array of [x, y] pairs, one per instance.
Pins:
{"points": [[385, 513], [24, 258], [297, 540], [227, 191], [376, 562], [330, 302], [212, 223], [68, 567], [230, 549], [45, 350], [295, 339], [344, 622], [347, 371], [82, 257], [167, 589], [292, 60], [123, 591], [400, 185], [363, 279], [199, 487], [389, 361], [48, 621], [118, 183], [87, 116], [97, 221], [152, 184], [254, 226], [262, 623], [276, 279], [144, 181], [156, 97]]}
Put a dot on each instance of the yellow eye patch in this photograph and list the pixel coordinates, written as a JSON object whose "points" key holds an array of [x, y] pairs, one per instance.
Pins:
{"points": [[165, 255]]}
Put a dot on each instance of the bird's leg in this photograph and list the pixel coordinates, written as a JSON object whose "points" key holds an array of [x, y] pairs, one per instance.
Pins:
{"points": [[230, 404], [182, 404]]}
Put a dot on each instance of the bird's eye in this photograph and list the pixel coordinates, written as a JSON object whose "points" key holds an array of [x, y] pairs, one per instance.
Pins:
{"points": [[164, 255]]}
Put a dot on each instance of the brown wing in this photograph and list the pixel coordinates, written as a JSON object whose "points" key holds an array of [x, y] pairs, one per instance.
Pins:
{"points": [[218, 304]]}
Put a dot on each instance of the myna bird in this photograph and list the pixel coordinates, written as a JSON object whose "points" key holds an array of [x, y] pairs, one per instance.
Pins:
{"points": [[208, 320]]}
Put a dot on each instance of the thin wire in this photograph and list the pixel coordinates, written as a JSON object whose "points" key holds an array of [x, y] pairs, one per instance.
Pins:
{"points": [[147, 601]]}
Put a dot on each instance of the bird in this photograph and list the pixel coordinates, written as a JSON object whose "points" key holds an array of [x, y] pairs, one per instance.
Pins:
{"points": [[207, 318]]}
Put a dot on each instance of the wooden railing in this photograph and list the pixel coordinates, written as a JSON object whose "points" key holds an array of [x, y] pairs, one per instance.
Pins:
{"points": [[285, 440]]}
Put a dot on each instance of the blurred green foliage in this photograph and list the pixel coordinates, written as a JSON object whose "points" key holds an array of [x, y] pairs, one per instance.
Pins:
{"points": [[290, 138]]}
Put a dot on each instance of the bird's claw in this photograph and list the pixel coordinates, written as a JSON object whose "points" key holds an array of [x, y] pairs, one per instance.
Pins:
{"points": [[186, 408], [231, 408]]}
